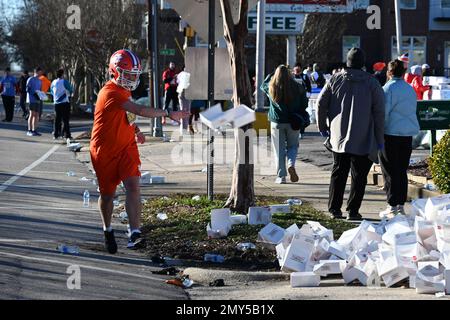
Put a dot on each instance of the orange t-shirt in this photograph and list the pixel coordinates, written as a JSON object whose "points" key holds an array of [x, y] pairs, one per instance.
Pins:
{"points": [[46, 84], [112, 132]]}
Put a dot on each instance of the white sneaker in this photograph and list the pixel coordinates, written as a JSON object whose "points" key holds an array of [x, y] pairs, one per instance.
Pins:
{"points": [[280, 180], [389, 213]]}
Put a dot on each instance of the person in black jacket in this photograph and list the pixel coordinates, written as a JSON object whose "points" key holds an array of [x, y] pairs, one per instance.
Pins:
{"points": [[23, 93], [299, 75]]}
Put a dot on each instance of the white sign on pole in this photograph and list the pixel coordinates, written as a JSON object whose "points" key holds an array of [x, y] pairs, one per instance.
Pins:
{"points": [[279, 23], [195, 12]]}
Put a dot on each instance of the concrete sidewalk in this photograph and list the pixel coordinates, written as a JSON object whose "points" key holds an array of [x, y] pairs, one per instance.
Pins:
{"points": [[173, 161]]}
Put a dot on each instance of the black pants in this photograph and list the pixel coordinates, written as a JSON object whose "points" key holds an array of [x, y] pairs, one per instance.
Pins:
{"points": [[23, 103], [171, 96], [62, 111], [360, 167], [394, 163], [8, 104]]}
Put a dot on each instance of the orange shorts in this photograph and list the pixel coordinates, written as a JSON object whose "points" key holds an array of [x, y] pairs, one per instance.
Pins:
{"points": [[112, 171]]}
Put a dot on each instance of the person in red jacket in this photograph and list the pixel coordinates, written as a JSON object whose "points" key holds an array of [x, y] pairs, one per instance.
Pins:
{"points": [[170, 88], [417, 83]]}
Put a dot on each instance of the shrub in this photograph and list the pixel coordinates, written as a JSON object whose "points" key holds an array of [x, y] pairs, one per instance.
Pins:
{"points": [[440, 164]]}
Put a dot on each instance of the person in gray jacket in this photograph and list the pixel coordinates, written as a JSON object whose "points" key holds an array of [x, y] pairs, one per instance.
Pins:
{"points": [[351, 114]]}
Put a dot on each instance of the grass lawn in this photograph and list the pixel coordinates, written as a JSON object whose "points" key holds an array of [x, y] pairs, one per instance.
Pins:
{"points": [[183, 235]]}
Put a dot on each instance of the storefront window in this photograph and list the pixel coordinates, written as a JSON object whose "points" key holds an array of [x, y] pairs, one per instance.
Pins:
{"points": [[408, 4], [416, 46], [445, 4]]}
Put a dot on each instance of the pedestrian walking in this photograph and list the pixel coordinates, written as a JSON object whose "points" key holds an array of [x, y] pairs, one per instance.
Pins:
{"points": [[400, 126], [170, 88], [351, 114], [183, 83], [8, 92], [23, 93], [194, 118], [34, 85], [61, 91], [302, 78], [114, 139], [288, 116]]}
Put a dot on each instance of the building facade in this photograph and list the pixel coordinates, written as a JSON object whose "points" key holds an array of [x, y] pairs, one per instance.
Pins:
{"points": [[426, 33]]}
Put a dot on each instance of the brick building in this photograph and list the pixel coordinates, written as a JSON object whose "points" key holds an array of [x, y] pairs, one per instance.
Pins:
{"points": [[426, 33]]}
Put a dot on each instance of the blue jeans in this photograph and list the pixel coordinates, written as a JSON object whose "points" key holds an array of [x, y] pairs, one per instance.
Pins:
{"points": [[285, 142]]}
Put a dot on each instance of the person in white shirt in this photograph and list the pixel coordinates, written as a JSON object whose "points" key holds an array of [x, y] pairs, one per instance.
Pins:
{"points": [[61, 91]]}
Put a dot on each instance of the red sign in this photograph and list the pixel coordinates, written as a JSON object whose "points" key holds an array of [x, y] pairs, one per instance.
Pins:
{"points": [[310, 2]]}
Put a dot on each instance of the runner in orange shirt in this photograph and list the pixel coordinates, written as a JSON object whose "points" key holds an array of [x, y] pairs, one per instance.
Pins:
{"points": [[114, 151]]}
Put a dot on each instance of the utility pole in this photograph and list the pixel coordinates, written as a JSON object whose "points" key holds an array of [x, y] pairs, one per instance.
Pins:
{"points": [[211, 73], [260, 54], [157, 130], [150, 62], [398, 23]]}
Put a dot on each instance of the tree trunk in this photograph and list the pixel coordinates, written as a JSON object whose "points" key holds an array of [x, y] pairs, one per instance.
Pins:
{"points": [[242, 195]]}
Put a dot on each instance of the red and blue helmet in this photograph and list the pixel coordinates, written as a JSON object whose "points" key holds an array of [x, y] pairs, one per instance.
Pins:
{"points": [[125, 67]]}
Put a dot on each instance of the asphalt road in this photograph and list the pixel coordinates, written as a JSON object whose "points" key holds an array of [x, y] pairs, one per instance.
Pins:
{"points": [[40, 208]]}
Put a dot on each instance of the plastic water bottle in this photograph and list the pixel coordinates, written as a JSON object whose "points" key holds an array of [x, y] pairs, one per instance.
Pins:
{"points": [[214, 258], [86, 199], [68, 249]]}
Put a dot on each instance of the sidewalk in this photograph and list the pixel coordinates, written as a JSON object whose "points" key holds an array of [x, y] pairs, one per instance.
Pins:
{"points": [[183, 177]]}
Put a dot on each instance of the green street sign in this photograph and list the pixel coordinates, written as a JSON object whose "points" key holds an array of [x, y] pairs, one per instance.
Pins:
{"points": [[434, 114], [167, 52]]}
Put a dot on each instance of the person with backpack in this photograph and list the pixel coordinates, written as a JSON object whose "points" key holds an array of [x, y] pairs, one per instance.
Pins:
{"points": [[317, 77], [288, 116]]}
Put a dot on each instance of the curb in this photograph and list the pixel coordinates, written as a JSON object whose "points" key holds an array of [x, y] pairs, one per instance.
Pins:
{"points": [[415, 191], [206, 276]]}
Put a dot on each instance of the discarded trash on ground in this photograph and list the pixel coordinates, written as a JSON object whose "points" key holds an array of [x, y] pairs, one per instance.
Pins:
{"points": [[116, 203], [68, 249], [245, 246], [217, 283], [172, 271], [162, 216], [157, 180], [294, 202], [412, 249], [84, 179], [183, 282], [196, 198], [75, 147], [123, 217], [214, 258], [145, 178], [158, 259], [71, 174]]}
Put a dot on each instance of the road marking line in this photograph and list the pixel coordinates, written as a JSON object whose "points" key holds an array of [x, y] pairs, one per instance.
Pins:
{"points": [[8, 183], [12, 255]]}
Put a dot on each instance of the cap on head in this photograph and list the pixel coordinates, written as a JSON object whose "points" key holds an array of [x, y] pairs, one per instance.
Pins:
{"points": [[356, 58], [404, 58], [379, 66]]}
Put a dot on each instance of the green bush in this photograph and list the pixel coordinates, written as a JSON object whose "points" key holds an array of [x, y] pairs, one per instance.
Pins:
{"points": [[440, 164]]}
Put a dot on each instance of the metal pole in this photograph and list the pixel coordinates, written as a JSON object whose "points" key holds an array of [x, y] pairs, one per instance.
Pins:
{"points": [[211, 73], [260, 54], [291, 51], [150, 62], [398, 23], [158, 130]]}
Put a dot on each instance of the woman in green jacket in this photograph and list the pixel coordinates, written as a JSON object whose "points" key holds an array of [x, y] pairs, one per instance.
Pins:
{"points": [[288, 104]]}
